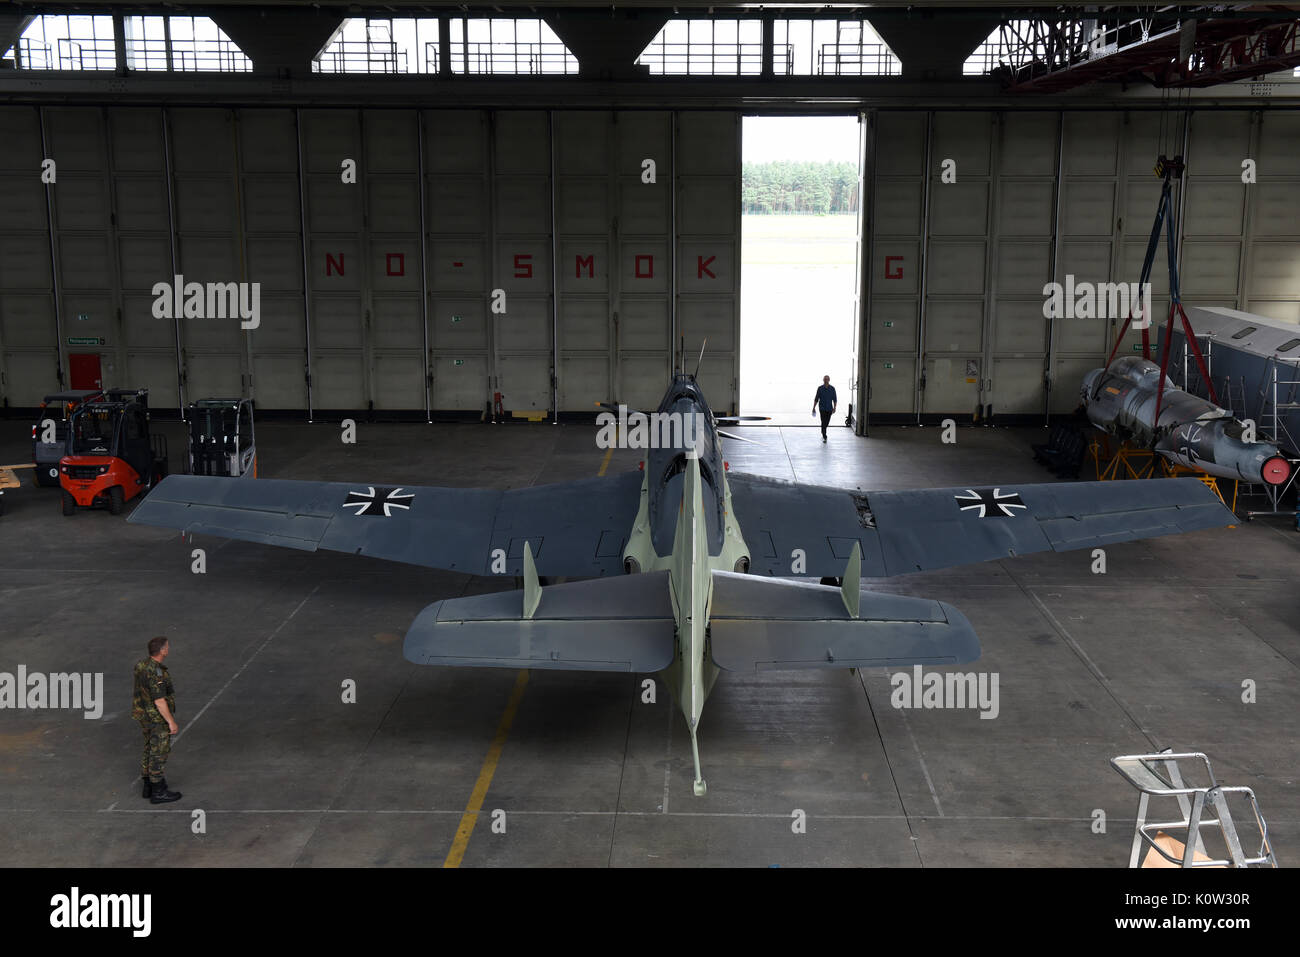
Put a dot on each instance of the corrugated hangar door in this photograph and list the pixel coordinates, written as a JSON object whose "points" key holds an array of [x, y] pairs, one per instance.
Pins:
{"points": [[1024, 200], [339, 274], [29, 337], [394, 316], [457, 202], [88, 269], [587, 167], [1094, 178], [521, 260], [207, 226], [143, 225], [708, 231], [959, 276], [613, 209], [898, 200], [272, 238], [642, 261], [1214, 221], [1270, 279]]}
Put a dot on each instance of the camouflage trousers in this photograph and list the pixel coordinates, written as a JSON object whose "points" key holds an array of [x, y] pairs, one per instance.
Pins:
{"points": [[157, 745]]}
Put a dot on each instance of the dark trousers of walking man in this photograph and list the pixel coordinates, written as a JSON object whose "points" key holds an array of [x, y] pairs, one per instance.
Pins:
{"points": [[826, 420]]}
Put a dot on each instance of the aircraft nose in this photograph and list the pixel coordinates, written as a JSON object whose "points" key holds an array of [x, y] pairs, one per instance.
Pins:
{"points": [[1276, 470], [1089, 381]]}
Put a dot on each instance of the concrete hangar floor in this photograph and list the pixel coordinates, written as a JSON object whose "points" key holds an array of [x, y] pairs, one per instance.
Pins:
{"points": [[1151, 654]]}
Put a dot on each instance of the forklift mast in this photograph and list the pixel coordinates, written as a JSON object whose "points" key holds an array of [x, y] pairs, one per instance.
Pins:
{"points": [[221, 438]]}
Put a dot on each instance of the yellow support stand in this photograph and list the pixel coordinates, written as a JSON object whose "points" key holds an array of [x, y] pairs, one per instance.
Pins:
{"points": [[1182, 471], [1139, 463], [1126, 463]]}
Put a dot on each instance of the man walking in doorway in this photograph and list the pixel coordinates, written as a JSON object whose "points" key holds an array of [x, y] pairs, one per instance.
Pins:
{"points": [[825, 401]]}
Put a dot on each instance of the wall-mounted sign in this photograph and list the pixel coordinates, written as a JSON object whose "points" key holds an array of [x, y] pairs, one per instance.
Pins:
{"points": [[458, 362], [83, 316], [889, 365], [85, 340]]}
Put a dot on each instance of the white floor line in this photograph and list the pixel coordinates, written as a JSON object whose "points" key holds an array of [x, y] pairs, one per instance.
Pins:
{"points": [[190, 723], [921, 760], [668, 761], [777, 816], [244, 666]]}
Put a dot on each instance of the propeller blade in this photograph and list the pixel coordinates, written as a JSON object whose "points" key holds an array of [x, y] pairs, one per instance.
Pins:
{"points": [[733, 419], [738, 438]]}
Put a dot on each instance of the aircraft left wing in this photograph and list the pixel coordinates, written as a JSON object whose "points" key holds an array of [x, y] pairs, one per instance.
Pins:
{"points": [[575, 529], [923, 529]]}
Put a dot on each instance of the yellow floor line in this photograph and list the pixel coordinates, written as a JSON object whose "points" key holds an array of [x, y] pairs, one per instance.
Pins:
{"points": [[485, 774], [470, 817]]}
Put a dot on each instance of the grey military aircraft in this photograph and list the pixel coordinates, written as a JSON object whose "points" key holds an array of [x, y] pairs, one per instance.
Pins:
{"points": [[687, 565]]}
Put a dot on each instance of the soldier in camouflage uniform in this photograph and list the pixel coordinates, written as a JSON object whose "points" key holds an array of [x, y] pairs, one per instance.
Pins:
{"points": [[154, 706]]}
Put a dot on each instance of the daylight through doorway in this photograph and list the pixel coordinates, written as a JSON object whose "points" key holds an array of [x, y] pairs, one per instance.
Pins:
{"points": [[799, 224]]}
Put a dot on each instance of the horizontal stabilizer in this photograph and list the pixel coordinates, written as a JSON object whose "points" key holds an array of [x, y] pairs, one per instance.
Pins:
{"points": [[765, 624], [622, 623]]}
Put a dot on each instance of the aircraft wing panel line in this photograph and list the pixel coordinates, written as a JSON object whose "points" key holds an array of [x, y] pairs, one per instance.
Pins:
{"points": [[620, 623], [573, 528], [924, 529], [762, 624]]}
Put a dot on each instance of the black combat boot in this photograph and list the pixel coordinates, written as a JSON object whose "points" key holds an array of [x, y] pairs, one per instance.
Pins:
{"points": [[148, 789], [161, 795]]}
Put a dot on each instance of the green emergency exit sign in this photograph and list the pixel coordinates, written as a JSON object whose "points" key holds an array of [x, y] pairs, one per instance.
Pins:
{"points": [[457, 318], [889, 365], [888, 324], [458, 362], [85, 340], [1137, 347]]}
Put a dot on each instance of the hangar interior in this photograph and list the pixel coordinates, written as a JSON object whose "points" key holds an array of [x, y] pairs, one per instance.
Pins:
{"points": [[457, 215]]}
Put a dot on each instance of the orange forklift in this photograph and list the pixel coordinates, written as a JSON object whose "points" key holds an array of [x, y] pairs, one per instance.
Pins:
{"points": [[112, 456]]}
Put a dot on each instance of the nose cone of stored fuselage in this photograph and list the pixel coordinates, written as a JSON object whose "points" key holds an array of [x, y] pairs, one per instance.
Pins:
{"points": [[1276, 470], [1089, 385]]}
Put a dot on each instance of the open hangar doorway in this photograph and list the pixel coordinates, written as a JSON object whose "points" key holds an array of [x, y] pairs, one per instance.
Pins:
{"points": [[800, 241]]}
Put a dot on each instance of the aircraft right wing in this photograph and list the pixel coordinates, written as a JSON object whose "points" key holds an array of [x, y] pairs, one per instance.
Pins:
{"points": [[923, 529]]}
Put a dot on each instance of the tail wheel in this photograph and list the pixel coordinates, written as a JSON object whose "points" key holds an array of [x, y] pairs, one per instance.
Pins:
{"points": [[115, 500], [69, 503]]}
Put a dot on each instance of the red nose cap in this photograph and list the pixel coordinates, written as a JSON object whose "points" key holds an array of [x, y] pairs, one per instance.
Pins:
{"points": [[1276, 470]]}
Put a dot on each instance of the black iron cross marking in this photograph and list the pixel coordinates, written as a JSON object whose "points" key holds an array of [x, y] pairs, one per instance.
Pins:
{"points": [[991, 502], [378, 501]]}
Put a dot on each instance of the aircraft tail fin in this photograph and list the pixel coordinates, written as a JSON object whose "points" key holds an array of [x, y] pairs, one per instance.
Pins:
{"points": [[773, 624]]}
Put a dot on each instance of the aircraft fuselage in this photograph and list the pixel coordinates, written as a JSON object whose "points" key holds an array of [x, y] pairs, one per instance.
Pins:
{"points": [[685, 525]]}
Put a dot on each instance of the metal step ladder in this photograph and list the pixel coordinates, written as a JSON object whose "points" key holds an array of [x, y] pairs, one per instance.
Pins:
{"points": [[1158, 775]]}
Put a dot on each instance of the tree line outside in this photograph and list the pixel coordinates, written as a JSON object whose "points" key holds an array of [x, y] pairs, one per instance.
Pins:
{"points": [[790, 187]]}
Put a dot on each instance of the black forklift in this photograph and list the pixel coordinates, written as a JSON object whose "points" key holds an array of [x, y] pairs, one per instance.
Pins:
{"points": [[50, 433], [221, 438], [113, 457]]}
